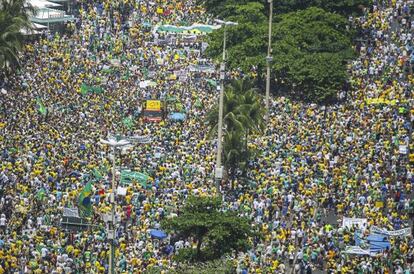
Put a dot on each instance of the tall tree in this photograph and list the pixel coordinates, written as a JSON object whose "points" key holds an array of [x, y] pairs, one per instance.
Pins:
{"points": [[215, 232], [222, 8], [14, 16], [311, 48], [248, 39], [344, 7], [243, 114], [225, 8]]}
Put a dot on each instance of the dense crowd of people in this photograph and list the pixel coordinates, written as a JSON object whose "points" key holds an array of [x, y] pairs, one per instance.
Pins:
{"points": [[318, 164]]}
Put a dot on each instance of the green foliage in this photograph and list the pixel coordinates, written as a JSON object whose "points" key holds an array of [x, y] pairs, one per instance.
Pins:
{"points": [[217, 233], [14, 16], [242, 115], [310, 51], [223, 8], [248, 39], [345, 7], [216, 266]]}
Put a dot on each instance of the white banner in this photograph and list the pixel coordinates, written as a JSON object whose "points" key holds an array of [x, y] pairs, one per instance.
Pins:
{"points": [[121, 191], [403, 149], [115, 62], [395, 233], [70, 212], [349, 222], [357, 251]]}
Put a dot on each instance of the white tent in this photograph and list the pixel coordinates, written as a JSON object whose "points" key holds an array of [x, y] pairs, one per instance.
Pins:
{"points": [[38, 26], [46, 13], [34, 30], [41, 4]]}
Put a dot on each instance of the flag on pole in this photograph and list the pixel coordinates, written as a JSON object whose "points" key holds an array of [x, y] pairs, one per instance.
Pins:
{"points": [[128, 122], [128, 176], [198, 103], [40, 195], [97, 174], [40, 106], [85, 89], [212, 82], [84, 201]]}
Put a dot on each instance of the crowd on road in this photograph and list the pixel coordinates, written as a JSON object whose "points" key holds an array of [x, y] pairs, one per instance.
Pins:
{"points": [[318, 164], [324, 163]]}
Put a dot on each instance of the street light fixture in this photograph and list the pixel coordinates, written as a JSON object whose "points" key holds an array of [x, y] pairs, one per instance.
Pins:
{"points": [[114, 143], [117, 142], [268, 61], [219, 169]]}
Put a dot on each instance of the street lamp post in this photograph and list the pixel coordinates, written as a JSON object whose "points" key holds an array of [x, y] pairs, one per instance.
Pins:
{"points": [[112, 142], [117, 142], [268, 61], [219, 169]]}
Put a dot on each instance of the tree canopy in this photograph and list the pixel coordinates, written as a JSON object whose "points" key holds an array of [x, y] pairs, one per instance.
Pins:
{"points": [[310, 49], [14, 16], [242, 115], [225, 8], [344, 7], [246, 40], [216, 232]]}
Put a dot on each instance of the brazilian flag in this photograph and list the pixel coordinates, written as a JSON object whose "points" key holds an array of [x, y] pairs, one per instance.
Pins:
{"points": [[212, 82], [85, 89], [97, 174], [128, 176], [40, 195], [198, 103], [128, 122], [40, 106], [84, 201]]}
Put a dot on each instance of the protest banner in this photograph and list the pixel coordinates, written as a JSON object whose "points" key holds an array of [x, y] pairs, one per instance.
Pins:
{"points": [[394, 233], [153, 105], [349, 222]]}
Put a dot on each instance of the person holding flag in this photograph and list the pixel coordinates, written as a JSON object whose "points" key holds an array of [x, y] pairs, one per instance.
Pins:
{"points": [[84, 201]]}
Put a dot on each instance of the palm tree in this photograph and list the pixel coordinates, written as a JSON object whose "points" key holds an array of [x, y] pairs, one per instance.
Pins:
{"points": [[242, 109], [243, 114], [14, 16]]}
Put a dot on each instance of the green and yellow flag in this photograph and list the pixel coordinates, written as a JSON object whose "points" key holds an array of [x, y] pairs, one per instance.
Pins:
{"points": [[40, 106], [128, 176], [40, 195], [84, 201], [128, 122]]}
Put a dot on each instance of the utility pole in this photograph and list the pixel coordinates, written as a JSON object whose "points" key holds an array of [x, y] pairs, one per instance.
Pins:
{"points": [[112, 223], [269, 59], [117, 142], [219, 169]]}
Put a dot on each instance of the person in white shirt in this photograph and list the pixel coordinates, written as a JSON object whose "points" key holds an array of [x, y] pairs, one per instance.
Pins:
{"points": [[3, 221]]}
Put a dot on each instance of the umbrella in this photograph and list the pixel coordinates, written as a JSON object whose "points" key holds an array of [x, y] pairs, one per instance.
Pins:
{"points": [[75, 174], [158, 234], [177, 116]]}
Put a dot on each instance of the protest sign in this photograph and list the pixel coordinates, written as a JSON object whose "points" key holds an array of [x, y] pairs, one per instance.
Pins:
{"points": [[349, 222]]}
